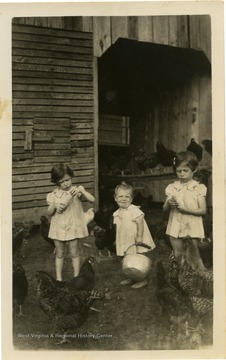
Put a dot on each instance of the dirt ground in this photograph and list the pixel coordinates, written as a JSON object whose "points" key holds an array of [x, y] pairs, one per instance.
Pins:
{"points": [[130, 319]]}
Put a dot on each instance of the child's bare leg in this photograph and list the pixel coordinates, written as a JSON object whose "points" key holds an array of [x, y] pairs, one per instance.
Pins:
{"points": [[59, 260], [75, 256], [177, 245]]}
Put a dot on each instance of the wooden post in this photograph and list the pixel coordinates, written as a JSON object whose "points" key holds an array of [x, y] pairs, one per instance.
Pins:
{"points": [[96, 124]]}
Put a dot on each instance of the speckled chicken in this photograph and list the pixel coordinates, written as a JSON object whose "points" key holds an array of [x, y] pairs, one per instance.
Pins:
{"points": [[66, 307], [175, 305], [195, 279], [20, 286]]}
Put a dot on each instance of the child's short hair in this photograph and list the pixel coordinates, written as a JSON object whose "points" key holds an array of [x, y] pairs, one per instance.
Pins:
{"points": [[59, 171], [188, 158], [124, 186]]}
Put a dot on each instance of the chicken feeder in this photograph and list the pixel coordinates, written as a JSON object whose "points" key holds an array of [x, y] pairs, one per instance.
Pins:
{"points": [[136, 266]]}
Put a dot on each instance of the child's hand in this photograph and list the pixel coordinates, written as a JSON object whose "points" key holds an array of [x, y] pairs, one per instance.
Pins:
{"points": [[77, 190], [60, 208], [173, 201], [182, 208]]}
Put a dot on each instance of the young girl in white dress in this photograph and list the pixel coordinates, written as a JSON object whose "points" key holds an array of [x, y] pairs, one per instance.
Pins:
{"points": [[131, 227], [68, 221], [185, 202]]}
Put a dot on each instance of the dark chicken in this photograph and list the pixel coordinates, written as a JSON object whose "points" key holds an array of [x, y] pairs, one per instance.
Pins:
{"points": [[85, 279], [208, 146], [21, 231], [44, 229], [165, 156], [20, 286], [146, 161], [196, 149], [66, 307], [105, 239], [175, 305]]}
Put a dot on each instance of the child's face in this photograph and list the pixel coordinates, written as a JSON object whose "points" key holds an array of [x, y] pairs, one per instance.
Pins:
{"points": [[123, 198], [184, 173], [65, 183]]}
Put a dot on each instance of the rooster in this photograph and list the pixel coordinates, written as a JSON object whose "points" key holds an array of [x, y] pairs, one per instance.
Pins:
{"points": [[44, 229], [66, 307], [165, 156], [20, 286]]}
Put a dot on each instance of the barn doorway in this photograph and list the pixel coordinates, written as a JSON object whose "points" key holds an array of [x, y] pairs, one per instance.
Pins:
{"points": [[147, 92]]}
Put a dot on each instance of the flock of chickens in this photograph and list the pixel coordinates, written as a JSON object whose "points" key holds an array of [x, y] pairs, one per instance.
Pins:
{"points": [[184, 291], [143, 163]]}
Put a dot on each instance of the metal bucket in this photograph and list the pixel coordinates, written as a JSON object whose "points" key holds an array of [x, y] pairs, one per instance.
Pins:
{"points": [[136, 266]]}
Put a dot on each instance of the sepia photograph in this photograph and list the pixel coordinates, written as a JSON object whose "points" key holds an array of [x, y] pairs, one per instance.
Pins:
{"points": [[114, 180]]}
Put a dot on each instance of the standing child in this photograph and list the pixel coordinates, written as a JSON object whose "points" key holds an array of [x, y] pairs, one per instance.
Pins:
{"points": [[68, 221], [131, 227], [185, 202]]}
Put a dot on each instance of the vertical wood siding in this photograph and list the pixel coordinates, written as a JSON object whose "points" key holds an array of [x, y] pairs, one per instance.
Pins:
{"points": [[52, 81]]}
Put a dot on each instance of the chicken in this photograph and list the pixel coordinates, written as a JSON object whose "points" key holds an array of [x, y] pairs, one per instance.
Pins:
{"points": [[105, 239], [196, 149], [21, 231], [196, 280], [165, 156], [66, 307], [146, 161], [103, 217], [176, 307], [205, 247], [20, 286], [85, 279], [44, 229], [208, 146]]}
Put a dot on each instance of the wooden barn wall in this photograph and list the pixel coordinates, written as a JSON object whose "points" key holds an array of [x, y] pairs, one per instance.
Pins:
{"points": [[186, 113], [52, 82], [192, 31]]}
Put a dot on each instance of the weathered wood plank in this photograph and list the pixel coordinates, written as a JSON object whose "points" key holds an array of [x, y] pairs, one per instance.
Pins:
{"points": [[133, 27], [48, 84], [43, 176], [183, 31], [56, 109], [51, 47], [35, 168], [18, 157], [51, 133], [50, 75], [50, 126], [33, 53], [50, 61], [77, 116], [50, 102], [52, 146], [161, 29], [48, 152], [52, 68], [101, 35], [38, 190], [53, 32], [145, 28], [52, 40], [52, 159], [173, 31], [39, 183], [19, 136], [22, 122], [119, 27], [51, 95], [80, 137]]}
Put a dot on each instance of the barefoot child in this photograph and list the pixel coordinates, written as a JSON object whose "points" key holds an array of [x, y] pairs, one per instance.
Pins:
{"points": [[131, 227], [68, 221], [185, 202]]}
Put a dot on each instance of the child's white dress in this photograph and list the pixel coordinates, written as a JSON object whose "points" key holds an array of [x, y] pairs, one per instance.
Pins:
{"points": [[71, 223], [126, 231], [181, 225]]}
